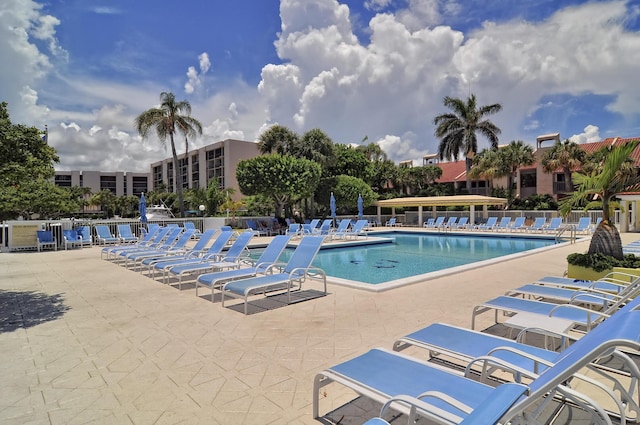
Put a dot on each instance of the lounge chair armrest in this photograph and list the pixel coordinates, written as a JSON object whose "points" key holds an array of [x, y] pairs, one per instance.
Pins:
{"points": [[521, 353], [490, 361], [584, 296], [416, 405], [522, 334], [577, 307]]}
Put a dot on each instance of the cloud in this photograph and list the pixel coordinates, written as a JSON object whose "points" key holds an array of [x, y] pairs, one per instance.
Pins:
{"points": [[591, 134], [194, 79], [72, 125]]}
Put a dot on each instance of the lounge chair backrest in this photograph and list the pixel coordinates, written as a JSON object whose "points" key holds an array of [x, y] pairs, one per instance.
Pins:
{"points": [[307, 229], [463, 221], [172, 236], [314, 223], [519, 222], [70, 235], [430, 221], [220, 242], [203, 241], [272, 252], [583, 223], [294, 228], [124, 231], [325, 227], [359, 226], [504, 222], [239, 245], [555, 222], [184, 238], [304, 254], [491, 221], [189, 225], [344, 225], [226, 228], [451, 221], [158, 236], [44, 236], [539, 222], [103, 231], [439, 221]]}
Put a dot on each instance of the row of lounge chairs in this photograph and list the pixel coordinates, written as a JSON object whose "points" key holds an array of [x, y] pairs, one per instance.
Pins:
{"points": [[225, 265], [507, 381], [346, 229], [539, 225]]}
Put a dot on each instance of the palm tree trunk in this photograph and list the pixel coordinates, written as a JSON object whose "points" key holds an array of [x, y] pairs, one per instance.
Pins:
{"points": [[468, 162], [177, 175], [606, 240]]}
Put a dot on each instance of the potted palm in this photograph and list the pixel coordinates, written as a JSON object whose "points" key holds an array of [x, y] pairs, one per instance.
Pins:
{"points": [[612, 175]]}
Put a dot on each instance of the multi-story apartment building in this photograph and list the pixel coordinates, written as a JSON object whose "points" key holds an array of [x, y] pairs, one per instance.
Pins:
{"points": [[119, 182], [215, 161]]}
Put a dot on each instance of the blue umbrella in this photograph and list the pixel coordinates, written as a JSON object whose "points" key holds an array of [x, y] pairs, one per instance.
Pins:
{"points": [[359, 207], [142, 206], [332, 205]]}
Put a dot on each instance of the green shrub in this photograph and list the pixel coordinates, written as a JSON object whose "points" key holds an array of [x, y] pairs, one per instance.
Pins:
{"points": [[600, 262]]}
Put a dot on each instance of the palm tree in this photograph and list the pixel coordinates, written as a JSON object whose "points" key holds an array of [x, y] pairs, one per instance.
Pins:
{"points": [[598, 190], [172, 116], [515, 155], [277, 139], [566, 155], [488, 165], [457, 129]]}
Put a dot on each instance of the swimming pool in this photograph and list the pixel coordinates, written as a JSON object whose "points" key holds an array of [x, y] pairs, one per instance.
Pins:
{"points": [[416, 254]]}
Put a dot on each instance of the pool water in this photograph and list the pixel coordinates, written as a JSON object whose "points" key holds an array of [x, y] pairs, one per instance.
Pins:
{"points": [[413, 254]]}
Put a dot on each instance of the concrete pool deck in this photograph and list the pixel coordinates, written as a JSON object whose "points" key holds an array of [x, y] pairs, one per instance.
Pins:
{"points": [[83, 340]]}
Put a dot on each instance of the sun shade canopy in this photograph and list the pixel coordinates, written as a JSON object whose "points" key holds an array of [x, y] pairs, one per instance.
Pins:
{"points": [[445, 201]]}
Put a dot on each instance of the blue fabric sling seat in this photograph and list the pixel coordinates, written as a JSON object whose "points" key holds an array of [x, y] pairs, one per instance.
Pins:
{"points": [[196, 251], [297, 269], [229, 261], [146, 241], [268, 257], [382, 375], [214, 250]]}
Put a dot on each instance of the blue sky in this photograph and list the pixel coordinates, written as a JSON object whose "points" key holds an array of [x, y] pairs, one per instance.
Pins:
{"points": [[376, 68]]}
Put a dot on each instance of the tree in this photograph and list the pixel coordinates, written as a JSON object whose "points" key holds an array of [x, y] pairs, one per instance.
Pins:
{"points": [[26, 165], [316, 146], [599, 190], [515, 155], [487, 165], [350, 162], [107, 201], [345, 190], [277, 139], [172, 116], [373, 152], [457, 129], [283, 177], [565, 155]]}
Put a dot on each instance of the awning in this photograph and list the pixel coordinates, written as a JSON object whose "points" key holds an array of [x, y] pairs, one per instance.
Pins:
{"points": [[442, 201]]}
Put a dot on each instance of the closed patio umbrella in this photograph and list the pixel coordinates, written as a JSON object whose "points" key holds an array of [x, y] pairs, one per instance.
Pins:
{"points": [[142, 207], [359, 207], [332, 205]]}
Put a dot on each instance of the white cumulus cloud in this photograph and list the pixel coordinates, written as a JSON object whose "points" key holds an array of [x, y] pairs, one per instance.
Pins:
{"points": [[591, 134]]}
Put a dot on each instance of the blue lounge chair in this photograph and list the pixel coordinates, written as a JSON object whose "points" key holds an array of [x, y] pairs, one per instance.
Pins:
{"points": [[578, 314], [343, 226], [504, 224], [518, 224], [462, 223], [429, 222], [46, 240], [596, 224], [313, 224], [269, 256], [230, 260], [554, 225], [166, 244], [177, 248], [215, 249], [451, 222], [149, 240], [104, 235], [439, 221], [325, 227], [257, 229], [383, 375], [125, 234], [297, 270], [538, 224], [357, 230], [613, 282], [584, 225], [489, 225], [294, 230], [85, 232], [195, 252], [391, 222], [196, 232], [71, 239]]}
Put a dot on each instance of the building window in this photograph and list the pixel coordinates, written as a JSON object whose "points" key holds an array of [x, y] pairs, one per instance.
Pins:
{"points": [[195, 171], [157, 176], [108, 183], [215, 165], [528, 179], [183, 175], [170, 177], [139, 185], [63, 180]]}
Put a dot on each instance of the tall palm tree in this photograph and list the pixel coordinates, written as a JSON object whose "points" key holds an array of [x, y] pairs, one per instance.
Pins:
{"points": [[566, 155], [457, 130], [487, 164], [172, 116], [598, 190]]}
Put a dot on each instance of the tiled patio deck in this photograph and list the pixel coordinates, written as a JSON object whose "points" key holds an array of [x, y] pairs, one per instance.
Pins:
{"points": [[85, 341]]}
